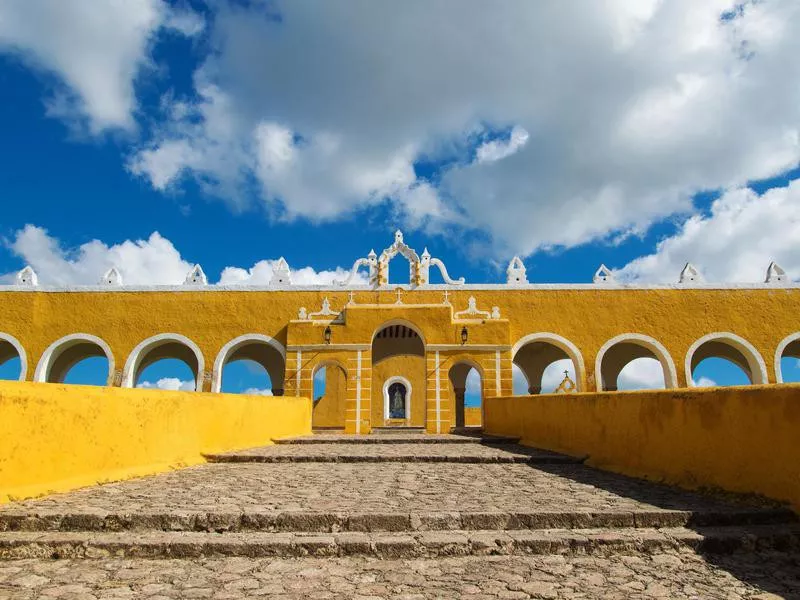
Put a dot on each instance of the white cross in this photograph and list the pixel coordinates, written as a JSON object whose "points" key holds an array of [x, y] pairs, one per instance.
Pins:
{"points": [[399, 300]]}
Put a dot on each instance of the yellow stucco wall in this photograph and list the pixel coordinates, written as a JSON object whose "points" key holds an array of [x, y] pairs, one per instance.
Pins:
{"points": [[57, 437], [329, 409], [472, 416], [743, 439]]}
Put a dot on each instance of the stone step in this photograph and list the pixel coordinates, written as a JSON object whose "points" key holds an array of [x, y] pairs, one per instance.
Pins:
{"points": [[52, 545], [398, 429], [331, 438], [327, 522]]}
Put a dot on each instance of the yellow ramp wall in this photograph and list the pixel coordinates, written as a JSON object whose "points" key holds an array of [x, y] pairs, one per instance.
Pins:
{"points": [[742, 439], [57, 437]]}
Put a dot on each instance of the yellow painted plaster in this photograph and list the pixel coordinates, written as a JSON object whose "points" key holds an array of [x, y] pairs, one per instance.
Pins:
{"points": [[57, 437]]}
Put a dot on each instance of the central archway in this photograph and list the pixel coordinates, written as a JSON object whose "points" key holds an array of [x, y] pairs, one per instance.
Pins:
{"points": [[398, 359]]}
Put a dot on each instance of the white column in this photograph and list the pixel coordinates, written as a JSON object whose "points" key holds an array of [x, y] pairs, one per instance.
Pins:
{"points": [[358, 393]]}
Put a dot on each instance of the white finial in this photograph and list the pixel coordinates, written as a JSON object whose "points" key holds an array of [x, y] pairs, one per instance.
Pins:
{"points": [[603, 275], [775, 274], [398, 237], [425, 253], [27, 276], [516, 273], [196, 276], [281, 274], [372, 254], [690, 274], [111, 277]]}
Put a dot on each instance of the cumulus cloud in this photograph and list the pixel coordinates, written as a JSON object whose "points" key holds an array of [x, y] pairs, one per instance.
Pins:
{"points": [[258, 392], [619, 112], [704, 382], [95, 49], [641, 374], [733, 243], [154, 261], [168, 383]]}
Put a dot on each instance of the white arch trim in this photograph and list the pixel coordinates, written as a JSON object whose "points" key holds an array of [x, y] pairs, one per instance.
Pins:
{"points": [[560, 342], [134, 358], [235, 344], [386, 384], [61, 344], [645, 341], [779, 354], [758, 367], [391, 322], [23, 357]]}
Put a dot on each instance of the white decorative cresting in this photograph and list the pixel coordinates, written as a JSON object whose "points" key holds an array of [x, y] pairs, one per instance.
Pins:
{"points": [[604, 275], [775, 274], [326, 313], [281, 274], [516, 274], [472, 312], [196, 276], [111, 277], [690, 275], [27, 276]]}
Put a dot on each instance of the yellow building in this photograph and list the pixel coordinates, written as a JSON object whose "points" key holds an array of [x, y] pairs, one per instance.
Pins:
{"points": [[399, 354]]}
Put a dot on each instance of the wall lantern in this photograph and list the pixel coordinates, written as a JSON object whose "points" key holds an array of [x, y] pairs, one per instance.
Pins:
{"points": [[464, 335], [327, 334]]}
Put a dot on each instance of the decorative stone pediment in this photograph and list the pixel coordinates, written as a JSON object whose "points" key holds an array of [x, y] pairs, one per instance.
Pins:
{"points": [[690, 275], [604, 275], [775, 274], [111, 277], [27, 276], [472, 312], [325, 313], [516, 272], [281, 274], [196, 276]]}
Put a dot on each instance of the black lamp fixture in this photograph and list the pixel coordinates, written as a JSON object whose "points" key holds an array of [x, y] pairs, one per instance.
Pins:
{"points": [[327, 334], [464, 335]]}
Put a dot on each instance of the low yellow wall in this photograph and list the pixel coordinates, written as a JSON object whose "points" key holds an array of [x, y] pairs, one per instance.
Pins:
{"points": [[743, 439], [472, 416], [57, 437]]}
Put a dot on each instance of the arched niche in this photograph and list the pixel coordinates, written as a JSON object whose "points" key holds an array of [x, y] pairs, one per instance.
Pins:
{"points": [[788, 348], [66, 352], [459, 377], [621, 350], [163, 346], [535, 352], [10, 348], [255, 347], [730, 347]]}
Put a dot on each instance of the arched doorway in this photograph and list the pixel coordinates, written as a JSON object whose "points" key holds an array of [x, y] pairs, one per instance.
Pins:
{"points": [[79, 358], [732, 356], [542, 359], [634, 362], [466, 392], [250, 363], [180, 364], [398, 376], [329, 396], [13, 360], [787, 360]]}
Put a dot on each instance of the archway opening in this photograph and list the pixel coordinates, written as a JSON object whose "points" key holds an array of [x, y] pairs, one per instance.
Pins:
{"points": [[329, 396], [630, 365], [10, 361], [542, 367], [252, 365], [714, 371], [398, 376], [168, 364], [78, 360], [721, 361], [466, 392], [790, 362]]}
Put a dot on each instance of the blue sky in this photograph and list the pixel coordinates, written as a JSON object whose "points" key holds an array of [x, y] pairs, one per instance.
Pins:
{"points": [[636, 136]]}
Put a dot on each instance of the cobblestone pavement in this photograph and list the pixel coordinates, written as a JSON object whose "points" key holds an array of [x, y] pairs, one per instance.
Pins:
{"points": [[369, 487], [678, 574]]}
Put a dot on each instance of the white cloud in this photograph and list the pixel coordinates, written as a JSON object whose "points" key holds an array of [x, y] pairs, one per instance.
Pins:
{"points": [[96, 49], [641, 374], [261, 274], [621, 111], [168, 383], [258, 392], [705, 382], [735, 242]]}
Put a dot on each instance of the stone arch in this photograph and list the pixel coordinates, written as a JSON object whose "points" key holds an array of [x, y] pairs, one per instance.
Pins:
{"points": [[66, 352], [263, 349], [408, 339], [457, 376], [736, 349], [164, 345], [386, 385], [626, 347], [555, 347], [789, 346], [11, 347]]}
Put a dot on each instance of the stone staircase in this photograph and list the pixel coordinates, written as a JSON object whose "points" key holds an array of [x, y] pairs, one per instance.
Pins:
{"points": [[387, 496]]}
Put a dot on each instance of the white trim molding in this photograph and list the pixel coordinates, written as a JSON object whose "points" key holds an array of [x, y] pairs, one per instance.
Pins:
{"points": [[23, 357], [235, 344], [55, 349], [386, 384], [568, 347], [145, 346], [661, 354], [779, 354], [756, 364]]}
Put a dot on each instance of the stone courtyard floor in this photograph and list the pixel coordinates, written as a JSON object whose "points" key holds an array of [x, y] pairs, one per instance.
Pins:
{"points": [[439, 518]]}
